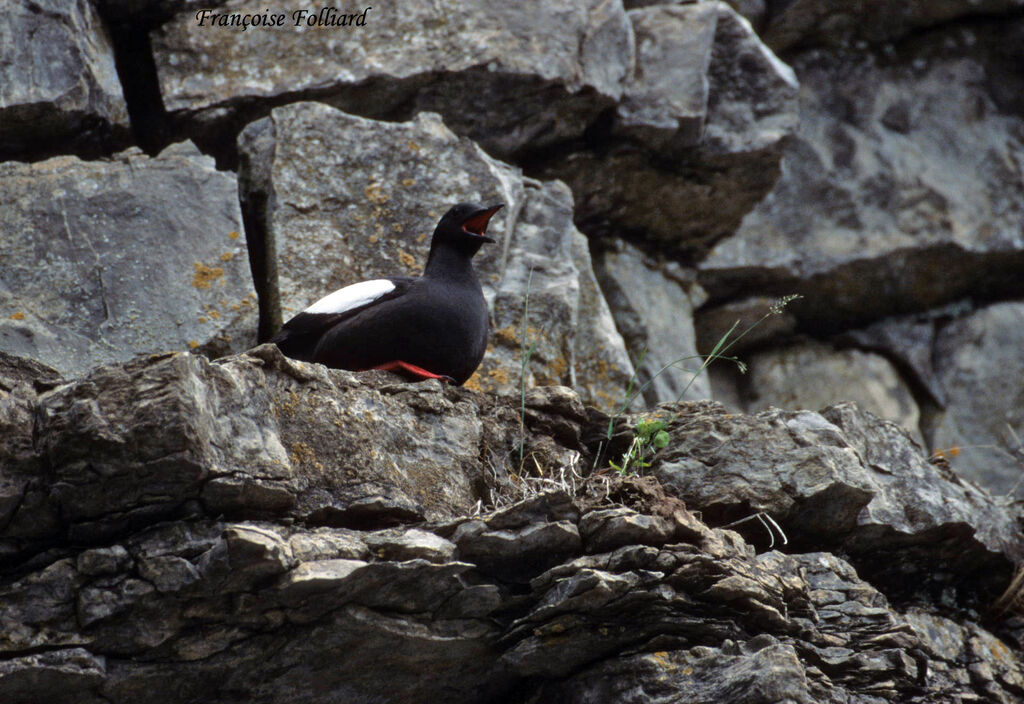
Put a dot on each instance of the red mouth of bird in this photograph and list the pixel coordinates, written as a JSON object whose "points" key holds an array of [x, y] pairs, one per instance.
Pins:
{"points": [[476, 224]]}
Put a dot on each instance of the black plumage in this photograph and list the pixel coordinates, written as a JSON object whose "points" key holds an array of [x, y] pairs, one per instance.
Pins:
{"points": [[431, 326]]}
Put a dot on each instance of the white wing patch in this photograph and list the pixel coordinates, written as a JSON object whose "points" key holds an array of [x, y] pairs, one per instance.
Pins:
{"points": [[350, 297]]}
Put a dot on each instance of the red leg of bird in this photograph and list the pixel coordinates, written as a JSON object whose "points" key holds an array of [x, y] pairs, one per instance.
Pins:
{"points": [[412, 370]]}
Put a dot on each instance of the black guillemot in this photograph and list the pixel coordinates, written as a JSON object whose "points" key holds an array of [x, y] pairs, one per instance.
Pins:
{"points": [[429, 327]]}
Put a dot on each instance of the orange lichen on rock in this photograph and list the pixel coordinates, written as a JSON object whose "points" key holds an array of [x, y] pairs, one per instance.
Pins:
{"points": [[17, 316], [205, 275], [507, 336], [499, 375], [407, 259], [374, 194]]}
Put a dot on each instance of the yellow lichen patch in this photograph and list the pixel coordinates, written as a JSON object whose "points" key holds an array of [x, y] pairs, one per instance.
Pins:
{"points": [[661, 657], [412, 145], [396, 227], [301, 453], [421, 237], [559, 366], [407, 259], [507, 335], [291, 404], [213, 313], [1000, 651], [372, 239], [202, 319], [473, 383], [374, 194], [499, 375], [17, 316], [408, 182], [192, 344], [205, 275], [549, 629], [233, 235], [227, 256]]}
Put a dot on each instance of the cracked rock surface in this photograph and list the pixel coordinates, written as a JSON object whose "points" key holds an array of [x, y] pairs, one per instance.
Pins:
{"points": [[104, 260], [189, 549]]}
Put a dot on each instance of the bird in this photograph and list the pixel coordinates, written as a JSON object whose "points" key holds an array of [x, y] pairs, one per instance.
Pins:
{"points": [[432, 326]]}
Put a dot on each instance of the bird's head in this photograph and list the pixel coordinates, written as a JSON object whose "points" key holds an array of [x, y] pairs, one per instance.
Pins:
{"points": [[467, 222]]}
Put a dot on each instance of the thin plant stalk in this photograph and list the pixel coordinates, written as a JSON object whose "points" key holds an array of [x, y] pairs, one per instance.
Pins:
{"points": [[718, 352], [525, 353]]}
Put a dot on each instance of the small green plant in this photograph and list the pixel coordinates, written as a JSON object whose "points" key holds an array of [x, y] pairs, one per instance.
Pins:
{"points": [[649, 436], [642, 448]]}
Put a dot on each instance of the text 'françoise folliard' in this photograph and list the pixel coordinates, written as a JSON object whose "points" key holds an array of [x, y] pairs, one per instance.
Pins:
{"points": [[325, 17]]}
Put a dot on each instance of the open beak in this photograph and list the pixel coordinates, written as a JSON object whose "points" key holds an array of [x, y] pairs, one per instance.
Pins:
{"points": [[476, 223]]}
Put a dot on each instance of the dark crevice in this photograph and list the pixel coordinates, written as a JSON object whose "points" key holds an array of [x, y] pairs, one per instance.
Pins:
{"points": [[812, 41], [136, 68], [256, 198]]}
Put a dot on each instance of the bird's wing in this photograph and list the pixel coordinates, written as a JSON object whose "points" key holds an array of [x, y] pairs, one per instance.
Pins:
{"points": [[335, 307]]}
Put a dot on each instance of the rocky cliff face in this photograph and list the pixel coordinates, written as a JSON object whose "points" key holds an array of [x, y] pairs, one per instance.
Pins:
{"points": [[257, 529], [254, 529]]}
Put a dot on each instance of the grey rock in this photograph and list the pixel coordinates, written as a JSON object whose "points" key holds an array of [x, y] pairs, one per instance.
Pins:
{"points": [[762, 670], [22, 484], [103, 561], [981, 374], [870, 220], [666, 101], [752, 103], [909, 341], [950, 643], [549, 506], [156, 438], [379, 191], [174, 530], [410, 544], [327, 544], [507, 78], [753, 10], [111, 259], [58, 84], [618, 589], [795, 22], [143, 13], [514, 555], [607, 529], [653, 310], [847, 478], [64, 676], [547, 302], [687, 180], [21, 380], [812, 375], [744, 323]]}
